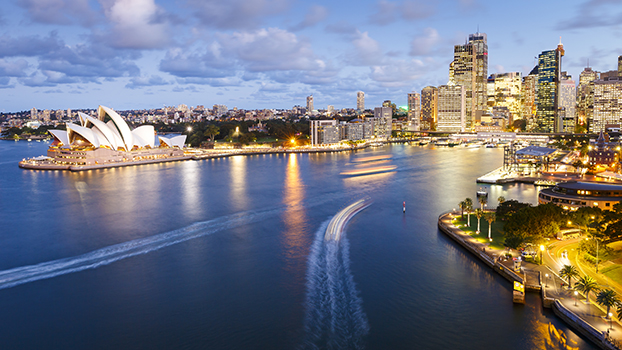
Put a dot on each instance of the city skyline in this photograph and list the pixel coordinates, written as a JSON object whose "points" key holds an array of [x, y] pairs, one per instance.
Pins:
{"points": [[253, 54]]}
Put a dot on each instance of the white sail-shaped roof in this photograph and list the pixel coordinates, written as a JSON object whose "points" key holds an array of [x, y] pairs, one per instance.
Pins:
{"points": [[124, 130], [86, 133], [104, 130], [115, 133], [144, 136], [61, 136]]}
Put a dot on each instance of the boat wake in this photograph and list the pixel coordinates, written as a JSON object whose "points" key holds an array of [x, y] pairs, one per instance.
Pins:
{"points": [[334, 311], [104, 256]]}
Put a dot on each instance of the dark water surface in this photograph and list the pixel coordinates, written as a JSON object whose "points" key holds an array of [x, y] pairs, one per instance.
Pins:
{"points": [[229, 254]]}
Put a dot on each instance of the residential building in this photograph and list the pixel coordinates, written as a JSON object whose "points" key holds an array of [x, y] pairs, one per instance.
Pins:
{"points": [[360, 101], [324, 132], [383, 122], [310, 104], [414, 111]]}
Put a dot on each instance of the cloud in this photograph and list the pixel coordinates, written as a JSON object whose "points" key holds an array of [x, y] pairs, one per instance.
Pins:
{"points": [[366, 51], [592, 14], [146, 81], [63, 12], [16, 68], [28, 46], [271, 49], [135, 24], [424, 44], [210, 64], [226, 81], [398, 73], [235, 14], [315, 15], [341, 27], [389, 11]]}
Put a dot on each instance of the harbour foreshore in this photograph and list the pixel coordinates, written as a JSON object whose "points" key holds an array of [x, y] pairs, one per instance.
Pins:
{"points": [[191, 154], [586, 319]]}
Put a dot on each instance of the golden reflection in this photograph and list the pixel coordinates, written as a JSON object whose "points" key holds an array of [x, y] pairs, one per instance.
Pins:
{"points": [[369, 179], [237, 166], [190, 180], [294, 241]]}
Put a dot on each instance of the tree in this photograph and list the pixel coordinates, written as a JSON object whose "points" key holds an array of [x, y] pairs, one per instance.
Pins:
{"points": [[490, 217], [507, 208], [211, 131], [482, 201], [478, 213], [462, 206], [569, 272], [501, 199], [586, 284], [607, 298], [469, 209]]}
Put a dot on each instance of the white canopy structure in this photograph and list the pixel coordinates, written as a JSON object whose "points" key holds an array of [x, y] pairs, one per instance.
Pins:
{"points": [[114, 134]]}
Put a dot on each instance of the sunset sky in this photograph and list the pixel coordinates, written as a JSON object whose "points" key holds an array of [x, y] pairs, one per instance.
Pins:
{"points": [[130, 54]]}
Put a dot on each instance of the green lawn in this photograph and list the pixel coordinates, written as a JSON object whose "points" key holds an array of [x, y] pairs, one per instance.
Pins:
{"points": [[614, 272], [497, 229]]}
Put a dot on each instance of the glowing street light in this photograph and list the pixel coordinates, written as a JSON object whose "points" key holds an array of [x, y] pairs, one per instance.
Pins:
{"points": [[575, 297], [189, 129], [547, 280], [610, 320]]}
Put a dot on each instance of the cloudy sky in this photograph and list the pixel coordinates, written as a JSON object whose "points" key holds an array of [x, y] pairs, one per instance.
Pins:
{"points": [[57, 54]]}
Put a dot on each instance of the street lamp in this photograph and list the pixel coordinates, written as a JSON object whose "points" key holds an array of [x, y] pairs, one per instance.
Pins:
{"points": [[610, 320], [547, 280], [541, 252], [575, 297]]}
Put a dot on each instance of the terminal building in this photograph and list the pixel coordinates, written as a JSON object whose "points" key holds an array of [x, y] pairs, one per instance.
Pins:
{"points": [[572, 195]]}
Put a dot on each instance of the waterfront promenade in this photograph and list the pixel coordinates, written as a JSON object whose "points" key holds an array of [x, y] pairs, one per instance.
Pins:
{"points": [[588, 319]]}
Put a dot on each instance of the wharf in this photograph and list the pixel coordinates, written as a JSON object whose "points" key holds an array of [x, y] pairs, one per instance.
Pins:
{"points": [[587, 319]]}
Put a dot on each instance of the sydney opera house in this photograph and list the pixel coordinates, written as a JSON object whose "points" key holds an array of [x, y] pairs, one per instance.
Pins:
{"points": [[106, 140]]}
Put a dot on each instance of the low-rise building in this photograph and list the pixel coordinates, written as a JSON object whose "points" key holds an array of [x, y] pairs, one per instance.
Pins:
{"points": [[572, 195]]}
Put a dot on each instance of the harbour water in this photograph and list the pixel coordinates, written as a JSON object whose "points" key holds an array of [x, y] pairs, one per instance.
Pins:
{"points": [[230, 254]]}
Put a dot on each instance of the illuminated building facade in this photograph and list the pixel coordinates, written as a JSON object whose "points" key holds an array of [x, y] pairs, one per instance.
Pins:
{"points": [[506, 92], [451, 108], [585, 98], [310, 104], [549, 66], [470, 69], [383, 123], [607, 104], [528, 98], [567, 103], [414, 111], [429, 108], [573, 195], [360, 101]]}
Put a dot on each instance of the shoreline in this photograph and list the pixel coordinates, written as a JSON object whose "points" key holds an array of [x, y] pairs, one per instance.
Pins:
{"points": [[563, 312], [32, 164]]}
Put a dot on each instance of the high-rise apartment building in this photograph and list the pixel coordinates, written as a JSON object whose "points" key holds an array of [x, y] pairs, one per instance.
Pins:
{"points": [[470, 69], [620, 66], [414, 111], [585, 98], [330, 109], [567, 103], [549, 70], [360, 101], [528, 98], [429, 108], [384, 121], [607, 104], [310, 104], [451, 108]]}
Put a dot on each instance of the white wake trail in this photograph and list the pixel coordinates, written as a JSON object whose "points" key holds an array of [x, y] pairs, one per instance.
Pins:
{"points": [[334, 311]]}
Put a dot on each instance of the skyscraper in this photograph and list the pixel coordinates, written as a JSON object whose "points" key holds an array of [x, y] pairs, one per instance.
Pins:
{"points": [[470, 69], [506, 93], [429, 108], [549, 70], [414, 111], [310, 104], [620, 66], [607, 104], [528, 98], [567, 103], [451, 108], [360, 101], [585, 98]]}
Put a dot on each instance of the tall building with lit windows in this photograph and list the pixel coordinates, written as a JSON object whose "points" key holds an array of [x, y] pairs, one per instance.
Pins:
{"points": [[528, 98], [451, 108], [549, 70], [360, 101], [607, 104], [585, 98], [470, 69], [620, 66], [429, 108], [414, 111], [310, 104], [506, 93], [567, 104]]}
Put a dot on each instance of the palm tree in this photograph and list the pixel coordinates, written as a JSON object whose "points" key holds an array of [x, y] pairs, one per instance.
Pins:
{"points": [[490, 217], [482, 201], [479, 213], [586, 284], [469, 209], [462, 206], [607, 298], [568, 272]]}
